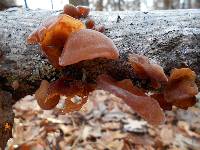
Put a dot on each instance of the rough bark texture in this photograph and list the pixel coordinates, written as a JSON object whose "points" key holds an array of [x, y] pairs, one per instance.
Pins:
{"points": [[169, 37], [6, 117], [172, 38]]}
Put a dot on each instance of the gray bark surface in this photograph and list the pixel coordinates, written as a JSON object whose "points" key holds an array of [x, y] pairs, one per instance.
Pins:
{"points": [[171, 38]]}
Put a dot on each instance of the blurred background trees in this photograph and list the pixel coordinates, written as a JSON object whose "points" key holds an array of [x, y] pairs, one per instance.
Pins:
{"points": [[79, 2], [107, 5], [7, 3], [143, 4], [138, 4]]}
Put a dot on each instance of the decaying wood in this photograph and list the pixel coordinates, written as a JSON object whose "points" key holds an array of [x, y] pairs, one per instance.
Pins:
{"points": [[171, 38], [6, 117]]}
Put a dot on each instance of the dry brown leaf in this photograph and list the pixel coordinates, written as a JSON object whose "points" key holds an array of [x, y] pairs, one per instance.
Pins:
{"points": [[185, 127], [167, 135], [111, 126], [116, 145]]}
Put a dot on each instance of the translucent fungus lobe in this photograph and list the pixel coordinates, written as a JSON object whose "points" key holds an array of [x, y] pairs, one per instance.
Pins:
{"points": [[145, 106], [147, 70], [71, 10], [52, 35], [181, 88], [87, 44], [48, 95]]}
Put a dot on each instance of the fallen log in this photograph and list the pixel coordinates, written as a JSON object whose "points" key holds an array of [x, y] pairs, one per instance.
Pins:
{"points": [[171, 38]]}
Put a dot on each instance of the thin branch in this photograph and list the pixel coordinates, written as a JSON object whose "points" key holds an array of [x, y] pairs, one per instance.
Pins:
{"points": [[26, 5]]}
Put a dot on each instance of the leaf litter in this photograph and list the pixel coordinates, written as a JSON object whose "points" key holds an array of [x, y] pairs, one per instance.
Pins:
{"points": [[104, 123]]}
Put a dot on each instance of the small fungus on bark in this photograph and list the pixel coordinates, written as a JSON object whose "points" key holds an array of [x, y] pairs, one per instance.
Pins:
{"points": [[71, 10], [90, 24], [83, 11], [147, 70], [76, 12]]}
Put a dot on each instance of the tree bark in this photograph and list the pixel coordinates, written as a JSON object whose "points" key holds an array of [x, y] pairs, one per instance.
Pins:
{"points": [[167, 4], [99, 5], [6, 118], [4, 4], [195, 3], [79, 2], [171, 38]]}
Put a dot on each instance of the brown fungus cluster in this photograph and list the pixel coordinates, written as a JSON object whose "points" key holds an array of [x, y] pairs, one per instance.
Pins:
{"points": [[48, 94], [90, 24], [82, 12], [76, 12], [58, 37]]}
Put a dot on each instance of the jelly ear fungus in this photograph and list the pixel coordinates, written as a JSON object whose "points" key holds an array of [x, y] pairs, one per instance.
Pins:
{"points": [[48, 95], [87, 44], [145, 106], [76, 12], [65, 41], [52, 34]]}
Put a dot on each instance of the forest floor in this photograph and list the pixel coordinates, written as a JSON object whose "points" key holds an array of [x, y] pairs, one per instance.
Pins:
{"points": [[104, 123]]}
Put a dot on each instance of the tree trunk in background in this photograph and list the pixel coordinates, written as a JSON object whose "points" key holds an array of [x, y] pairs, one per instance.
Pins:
{"points": [[186, 4], [7, 3], [26, 5], [195, 3], [175, 4], [189, 4], [136, 4], [119, 5], [79, 2], [167, 4], [99, 5], [158, 4]]}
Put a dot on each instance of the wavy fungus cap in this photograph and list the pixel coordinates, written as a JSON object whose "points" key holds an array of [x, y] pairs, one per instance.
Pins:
{"points": [[55, 26], [181, 88], [52, 35], [87, 44]]}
